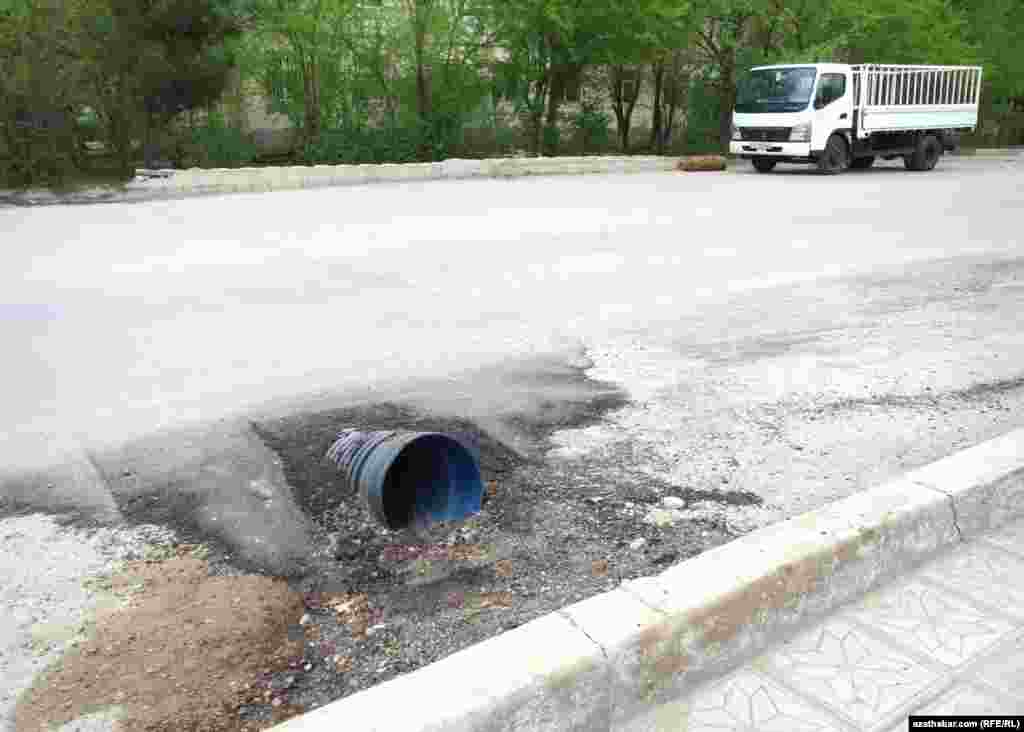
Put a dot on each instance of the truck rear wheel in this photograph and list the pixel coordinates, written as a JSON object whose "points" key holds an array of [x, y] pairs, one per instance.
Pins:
{"points": [[835, 158], [862, 163], [763, 165], [926, 154]]}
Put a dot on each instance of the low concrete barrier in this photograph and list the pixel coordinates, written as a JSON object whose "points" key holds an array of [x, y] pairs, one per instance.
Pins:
{"points": [[205, 181], [197, 181], [596, 664]]}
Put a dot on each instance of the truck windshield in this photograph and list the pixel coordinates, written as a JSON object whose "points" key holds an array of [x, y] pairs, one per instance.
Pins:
{"points": [[775, 90]]}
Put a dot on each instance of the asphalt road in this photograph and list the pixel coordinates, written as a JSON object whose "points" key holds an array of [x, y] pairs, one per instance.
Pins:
{"points": [[119, 318], [122, 319], [746, 346]]}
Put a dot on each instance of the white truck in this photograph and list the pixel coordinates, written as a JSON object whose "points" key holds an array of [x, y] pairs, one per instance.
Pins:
{"points": [[838, 116]]}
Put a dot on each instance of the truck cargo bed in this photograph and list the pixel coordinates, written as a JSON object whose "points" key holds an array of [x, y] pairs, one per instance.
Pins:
{"points": [[899, 98]]}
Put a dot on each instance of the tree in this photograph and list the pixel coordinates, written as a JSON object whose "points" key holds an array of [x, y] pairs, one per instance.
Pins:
{"points": [[996, 28], [641, 35], [143, 63], [882, 31], [672, 77], [550, 43], [527, 31], [297, 50], [40, 92], [625, 83], [722, 40], [448, 38]]}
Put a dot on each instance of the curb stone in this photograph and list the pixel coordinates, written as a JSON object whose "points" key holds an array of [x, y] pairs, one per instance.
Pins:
{"points": [[596, 664], [175, 184], [988, 152], [164, 184]]}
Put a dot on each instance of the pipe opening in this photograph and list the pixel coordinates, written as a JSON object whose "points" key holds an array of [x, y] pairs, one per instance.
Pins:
{"points": [[433, 479], [410, 479]]}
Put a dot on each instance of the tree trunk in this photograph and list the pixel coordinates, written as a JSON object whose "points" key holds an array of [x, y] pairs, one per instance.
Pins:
{"points": [[556, 90], [311, 112], [536, 103], [677, 94], [419, 16], [726, 102], [149, 143], [122, 131], [656, 145], [617, 103], [666, 137], [623, 105], [422, 89]]}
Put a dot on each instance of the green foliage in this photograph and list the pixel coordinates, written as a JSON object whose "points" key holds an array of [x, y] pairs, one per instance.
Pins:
{"points": [[409, 80], [552, 138], [117, 70], [33, 159], [701, 134], [885, 31], [39, 92], [146, 62], [216, 144], [355, 145], [592, 125], [414, 141], [299, 54], [89, 124]]}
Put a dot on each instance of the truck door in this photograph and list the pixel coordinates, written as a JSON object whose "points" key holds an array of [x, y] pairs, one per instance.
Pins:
{"points": [[833, 107]]}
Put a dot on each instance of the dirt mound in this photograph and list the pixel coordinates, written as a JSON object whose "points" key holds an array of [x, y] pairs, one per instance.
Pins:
{"points": [[702, 162], [184, 654]]}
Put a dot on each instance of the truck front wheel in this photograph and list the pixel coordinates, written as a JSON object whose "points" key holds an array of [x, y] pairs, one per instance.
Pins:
{"points": [[763, 165], [835, 158], [926, 154]]}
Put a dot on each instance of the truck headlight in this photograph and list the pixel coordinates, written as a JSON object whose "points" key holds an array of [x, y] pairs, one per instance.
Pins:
{"points": [[736, 132], [801, 133]]}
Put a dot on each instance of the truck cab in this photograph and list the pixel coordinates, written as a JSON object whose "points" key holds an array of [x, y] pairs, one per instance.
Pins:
{"points": [[818, 114]]}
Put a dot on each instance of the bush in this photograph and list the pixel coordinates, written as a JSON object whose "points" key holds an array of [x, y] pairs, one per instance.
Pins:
{"points": [[488, 142], [507, 140], [89, 125], [552, 139], [216, 144], [41, 148], [401, 143], [355, 145], [701, 133], [592, 127]]}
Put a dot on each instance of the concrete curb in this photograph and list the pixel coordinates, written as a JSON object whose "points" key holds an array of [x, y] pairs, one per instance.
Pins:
{"points": [[986, 152], [596, 664], [162, 184]]}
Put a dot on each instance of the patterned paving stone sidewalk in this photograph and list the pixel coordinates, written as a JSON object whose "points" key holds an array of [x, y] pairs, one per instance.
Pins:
{"points": [[946, 640]]}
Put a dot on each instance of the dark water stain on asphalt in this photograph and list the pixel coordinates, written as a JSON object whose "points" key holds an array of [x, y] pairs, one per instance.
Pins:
{"points": [[755, 348], [715, 495], [905, 289], [993, 388], [927, 400]]}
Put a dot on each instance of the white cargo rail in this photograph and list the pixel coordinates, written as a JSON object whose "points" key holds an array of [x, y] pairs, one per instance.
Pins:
{"points": [[900, 98]]}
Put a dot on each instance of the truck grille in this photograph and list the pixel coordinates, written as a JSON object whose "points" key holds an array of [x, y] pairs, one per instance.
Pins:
{"points": [[765, 134]]}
